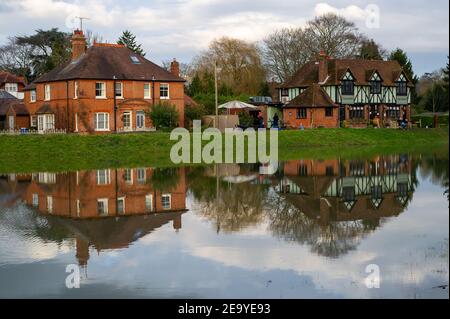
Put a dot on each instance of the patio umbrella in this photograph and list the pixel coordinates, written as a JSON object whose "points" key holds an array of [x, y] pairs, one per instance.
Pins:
{"points": [[236, 105]]}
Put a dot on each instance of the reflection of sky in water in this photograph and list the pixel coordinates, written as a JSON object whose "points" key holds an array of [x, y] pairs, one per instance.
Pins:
{"points": [[196, 261]]}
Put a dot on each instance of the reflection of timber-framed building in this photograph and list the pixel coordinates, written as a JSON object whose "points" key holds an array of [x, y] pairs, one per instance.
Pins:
{"points": [[342, 190]]}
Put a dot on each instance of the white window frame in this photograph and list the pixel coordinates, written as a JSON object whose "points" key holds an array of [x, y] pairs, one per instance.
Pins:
{"points": [[33, 120], [32, 96], [50, 204], [49, 122], [11, 87], [138, 114], [76, 122], [96, 122], [104, 178], [149, 203], [47, 92], [127, 180], [121, 199], [75, 90], [141, 175], [35, 200], [121, 90], [130, 115], [104, 202], [168, 91], [78, 208], [103, 90], [170, 201], [149, 95]]}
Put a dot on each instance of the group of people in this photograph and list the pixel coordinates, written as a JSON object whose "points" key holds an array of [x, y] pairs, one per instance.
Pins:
{"points": [[402, 122], [275, 121]]}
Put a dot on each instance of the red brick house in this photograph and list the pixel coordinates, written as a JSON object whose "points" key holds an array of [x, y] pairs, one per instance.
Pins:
{"points": [[13, 113], [104, 88], [312, 108], [329, 92], [13, 84]]}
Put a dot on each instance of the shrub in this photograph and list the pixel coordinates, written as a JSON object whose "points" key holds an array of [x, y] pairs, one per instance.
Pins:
{"points": [[245, 119], [164, 116], [192, 113], [428, 121]]}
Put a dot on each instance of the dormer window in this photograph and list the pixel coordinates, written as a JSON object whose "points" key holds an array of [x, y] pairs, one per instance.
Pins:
{"points": [[402, 88], [348, 87], [375, 87]]}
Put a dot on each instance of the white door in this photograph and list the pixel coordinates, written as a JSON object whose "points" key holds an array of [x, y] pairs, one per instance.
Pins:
{"points": [[11, 122], [140, 120], [127, 125]]}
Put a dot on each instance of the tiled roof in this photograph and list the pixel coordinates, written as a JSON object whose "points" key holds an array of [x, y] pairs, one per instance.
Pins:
{"points": [[7, 77], [313, 96], [8, 101], [106, 62], [307, 75]]}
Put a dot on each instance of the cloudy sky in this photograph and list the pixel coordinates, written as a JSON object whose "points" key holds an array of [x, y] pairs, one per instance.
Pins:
{"points": [[182, 28]]}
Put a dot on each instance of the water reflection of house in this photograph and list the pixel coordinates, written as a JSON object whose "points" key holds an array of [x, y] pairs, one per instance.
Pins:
{"points": [[341, 190], [104, 209], [103, 193]]}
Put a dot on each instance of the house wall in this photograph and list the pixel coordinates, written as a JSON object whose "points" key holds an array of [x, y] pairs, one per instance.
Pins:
{"points": [[315, 118], [86, 104]]}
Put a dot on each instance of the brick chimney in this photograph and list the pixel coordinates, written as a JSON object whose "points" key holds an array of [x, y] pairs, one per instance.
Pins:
{"points": [[323, 66], [78, 44], [175, 67]]}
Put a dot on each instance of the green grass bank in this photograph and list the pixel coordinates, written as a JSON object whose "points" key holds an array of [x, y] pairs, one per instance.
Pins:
{"points": [[73, 152]]}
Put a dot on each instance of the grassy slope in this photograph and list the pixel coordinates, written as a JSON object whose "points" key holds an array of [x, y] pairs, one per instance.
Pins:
{"points": [[70, 152]]}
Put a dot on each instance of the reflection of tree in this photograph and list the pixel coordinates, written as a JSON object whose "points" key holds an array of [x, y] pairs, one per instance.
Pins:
{"points": [[237, 206], [31, 224], [165, 179], [331, 239], [435, 167]]}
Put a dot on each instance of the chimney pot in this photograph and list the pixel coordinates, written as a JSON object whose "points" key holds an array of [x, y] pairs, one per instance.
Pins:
{"points": [[78, 44], [175, 67]]}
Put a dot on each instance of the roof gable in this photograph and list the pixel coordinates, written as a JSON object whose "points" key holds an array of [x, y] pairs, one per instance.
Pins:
{"points": [[313, 96]]}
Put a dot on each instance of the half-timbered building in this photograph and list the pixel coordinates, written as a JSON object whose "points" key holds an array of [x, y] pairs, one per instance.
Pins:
{"points": [[363, 91]]}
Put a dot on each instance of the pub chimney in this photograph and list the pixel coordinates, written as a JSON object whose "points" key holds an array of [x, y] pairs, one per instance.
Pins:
{"points": [[175, 67]]}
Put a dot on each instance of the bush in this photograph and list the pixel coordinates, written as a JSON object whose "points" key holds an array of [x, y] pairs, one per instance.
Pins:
{"points": [[164, 116], [192, 113], [245, 119], [428, 121]]}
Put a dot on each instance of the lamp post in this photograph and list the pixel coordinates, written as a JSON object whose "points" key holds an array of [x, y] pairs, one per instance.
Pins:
{"points": [[216, 96]]}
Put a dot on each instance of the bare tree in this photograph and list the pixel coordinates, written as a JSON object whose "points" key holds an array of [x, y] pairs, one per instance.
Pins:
{"points": [[92, 38], [239, 63], [16, 58], [284, 53], [335, 35]]}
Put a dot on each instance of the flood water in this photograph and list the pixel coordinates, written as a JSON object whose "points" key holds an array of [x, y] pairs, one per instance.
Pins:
{"points": [[309, 230]]}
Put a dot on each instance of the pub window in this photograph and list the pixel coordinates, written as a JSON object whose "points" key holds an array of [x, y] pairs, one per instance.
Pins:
{"points": [[303, 170], [149, 202], [348, 194], [47, 92], [284, 92], [356, 112], [402, 89], [348, 87], [101, 121], [375, 87], [301, 113], [393, 112], [128, 176], [329, 112], [147, 94], [33, 96], [329, 171]]}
